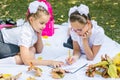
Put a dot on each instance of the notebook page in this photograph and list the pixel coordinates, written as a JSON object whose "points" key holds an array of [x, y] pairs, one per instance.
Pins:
{"points": [[82, 62]]}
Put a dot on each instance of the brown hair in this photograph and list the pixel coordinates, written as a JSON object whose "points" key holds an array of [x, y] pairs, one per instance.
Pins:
{"points": [[37, 14], [76, 16]]}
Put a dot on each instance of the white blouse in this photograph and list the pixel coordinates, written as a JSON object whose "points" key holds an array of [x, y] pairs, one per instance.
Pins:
{"points": [[96, 38], [23, 35]]}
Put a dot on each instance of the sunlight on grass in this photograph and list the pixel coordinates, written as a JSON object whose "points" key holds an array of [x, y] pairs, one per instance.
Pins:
{"points": [[72, 2]]}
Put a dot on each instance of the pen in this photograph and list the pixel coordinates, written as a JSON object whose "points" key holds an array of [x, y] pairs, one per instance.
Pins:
{"points": [[69, 54], [70, 59]]}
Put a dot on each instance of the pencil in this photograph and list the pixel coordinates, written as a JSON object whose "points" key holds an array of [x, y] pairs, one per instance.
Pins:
{"points": [[70, 60], [69, 54]]}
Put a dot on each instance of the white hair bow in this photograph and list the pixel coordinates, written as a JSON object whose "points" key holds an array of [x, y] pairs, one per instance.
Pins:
{"points": [[33, 7], [82, 9], [72, 9]]}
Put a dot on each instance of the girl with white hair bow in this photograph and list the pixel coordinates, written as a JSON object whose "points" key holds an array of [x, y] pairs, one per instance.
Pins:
{"points": [[20, 44], [87, 36]]}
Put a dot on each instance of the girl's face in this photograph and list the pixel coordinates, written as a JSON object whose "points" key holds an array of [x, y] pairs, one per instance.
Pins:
{"points": [[79, 28], [39, 23]]}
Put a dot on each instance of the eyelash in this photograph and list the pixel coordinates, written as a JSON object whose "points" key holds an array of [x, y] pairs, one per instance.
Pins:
{"points": [[77, 30], [42, 23]]}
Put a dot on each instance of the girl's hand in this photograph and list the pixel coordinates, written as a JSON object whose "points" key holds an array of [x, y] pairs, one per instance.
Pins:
{"points": [[71, 60], [87, 34], [57, 64]]}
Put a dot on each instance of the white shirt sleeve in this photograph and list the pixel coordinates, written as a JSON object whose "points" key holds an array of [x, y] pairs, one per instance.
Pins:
{"points": [[74, 36], [25, 37], [99, 37]]}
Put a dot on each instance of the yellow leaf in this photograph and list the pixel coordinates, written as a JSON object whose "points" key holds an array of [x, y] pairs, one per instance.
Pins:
{"points": [[6, 75], [112, 26], [62, 16], [112, 71], [31, 78], [93, 17], [115, 3], [39, 58], [4, 6], [72, 2], [45, 37], [107, 23]]}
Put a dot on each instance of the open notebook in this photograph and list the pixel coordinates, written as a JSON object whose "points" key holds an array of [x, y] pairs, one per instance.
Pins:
{"points": [[82, 62]]}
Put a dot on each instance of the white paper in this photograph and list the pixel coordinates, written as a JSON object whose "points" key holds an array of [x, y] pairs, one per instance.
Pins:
{"points": [[82, 62]]}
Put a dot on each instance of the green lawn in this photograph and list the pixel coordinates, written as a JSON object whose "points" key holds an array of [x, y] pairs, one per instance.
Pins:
{"points": [[105, 12]]}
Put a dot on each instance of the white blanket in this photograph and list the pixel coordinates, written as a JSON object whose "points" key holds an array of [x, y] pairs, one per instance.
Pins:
{"points": [[53, 49]]}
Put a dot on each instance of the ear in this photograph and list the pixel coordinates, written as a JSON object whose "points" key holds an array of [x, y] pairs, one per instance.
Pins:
{"points": [[88, 21], [31, 19]]}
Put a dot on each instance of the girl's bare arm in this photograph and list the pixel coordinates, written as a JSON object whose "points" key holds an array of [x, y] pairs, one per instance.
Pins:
{"points": [[90, 52], [39, 44], [76, 49], [27, 56]]}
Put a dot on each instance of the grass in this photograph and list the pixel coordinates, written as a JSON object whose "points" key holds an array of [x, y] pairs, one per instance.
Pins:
{"points": [[105, 12]]}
